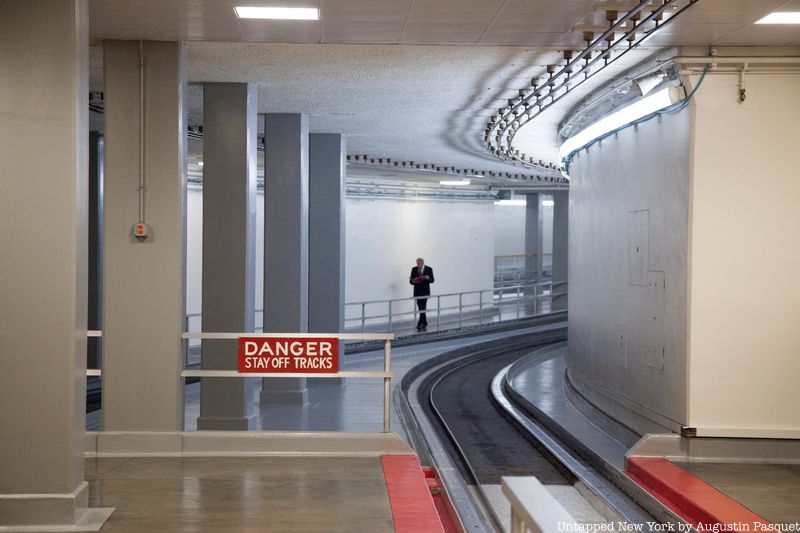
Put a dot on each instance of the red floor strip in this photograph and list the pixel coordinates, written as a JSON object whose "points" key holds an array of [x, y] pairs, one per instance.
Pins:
{"points": [[413, 508], [689, 497]]}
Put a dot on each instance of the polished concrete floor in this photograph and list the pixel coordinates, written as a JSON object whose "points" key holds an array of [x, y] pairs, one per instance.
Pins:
{"points": [[772, 491], [235, 494]]}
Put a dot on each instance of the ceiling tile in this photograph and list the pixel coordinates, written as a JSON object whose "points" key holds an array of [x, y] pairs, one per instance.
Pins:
{"points": [[200, 29], [521, 38], [433, 28], [772, 35], [367, 4], [457, 5], [439, 15], [342, 26], [378, 37], [358, 15], [217, 11], [440, 37], [682, 33]]}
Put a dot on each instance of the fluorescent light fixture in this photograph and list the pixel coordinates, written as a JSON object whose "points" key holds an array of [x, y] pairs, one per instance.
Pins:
{"points": [[548, 203], [277, 13], [456, 183], [642, 86], [781, 17], [199, 163], [641, 108], [510, 202]]}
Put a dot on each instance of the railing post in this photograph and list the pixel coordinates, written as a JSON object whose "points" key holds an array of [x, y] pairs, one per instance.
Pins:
{"points": [[517, 301], [459, 309], [387, 354], [480, 307], [414, 307], [517, 524], [363, 316], [438, 312], [390, 315]]}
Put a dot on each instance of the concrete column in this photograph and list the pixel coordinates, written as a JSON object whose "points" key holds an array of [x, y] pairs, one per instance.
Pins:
{"points": [[534, 231], [95, 296], [44, 138], [229, 240], [327, 155], [143, 298], [560, 244], [285, 241]]}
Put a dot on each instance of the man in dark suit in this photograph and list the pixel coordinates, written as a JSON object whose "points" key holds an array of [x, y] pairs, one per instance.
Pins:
{"points": [[421, 278]]}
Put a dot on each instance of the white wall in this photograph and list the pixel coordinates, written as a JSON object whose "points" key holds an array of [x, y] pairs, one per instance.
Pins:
{"points": [[628, 219], [509, 229], [745, 259], [384, 237]]}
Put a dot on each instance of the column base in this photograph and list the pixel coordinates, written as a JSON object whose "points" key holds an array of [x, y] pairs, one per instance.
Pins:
{"points": [[227, 423], [51, 512]]}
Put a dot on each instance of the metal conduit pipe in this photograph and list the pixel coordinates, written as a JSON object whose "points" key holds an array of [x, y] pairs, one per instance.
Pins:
{"points": [[141, 132], [504, 126]]}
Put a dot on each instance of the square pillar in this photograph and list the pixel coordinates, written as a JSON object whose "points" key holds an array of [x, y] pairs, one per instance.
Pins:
{"points": [[229, 241], [534, 235], [560, 245], [326, 269], [143, 289], [285, 242], [44, 141]]}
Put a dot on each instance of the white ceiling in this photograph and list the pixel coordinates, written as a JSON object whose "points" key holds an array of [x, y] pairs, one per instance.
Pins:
{"points": [[548, 23], [416, 102]]}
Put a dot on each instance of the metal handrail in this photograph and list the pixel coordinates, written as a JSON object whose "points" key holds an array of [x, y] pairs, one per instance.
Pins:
{"points": [[499, 295], [386, 375]]}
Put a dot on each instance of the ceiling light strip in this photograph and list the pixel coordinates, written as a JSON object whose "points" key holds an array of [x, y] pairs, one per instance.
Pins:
{"points": [[277, 13], [604, 54], [509, 114]]}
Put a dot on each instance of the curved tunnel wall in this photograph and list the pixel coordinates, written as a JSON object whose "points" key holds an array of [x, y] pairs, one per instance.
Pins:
{"points": [[684, 298], [628, 220]]}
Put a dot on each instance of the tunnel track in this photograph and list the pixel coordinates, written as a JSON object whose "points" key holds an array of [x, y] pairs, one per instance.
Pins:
{"points": [[485, 443]]}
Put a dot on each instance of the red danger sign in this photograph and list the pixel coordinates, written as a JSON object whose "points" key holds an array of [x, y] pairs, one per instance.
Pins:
{"points": [[287, 355]]}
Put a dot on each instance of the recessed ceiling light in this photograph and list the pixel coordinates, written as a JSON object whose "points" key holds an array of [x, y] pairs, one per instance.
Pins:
{"points": [[455, 183], [277, 13], [781, 17]]}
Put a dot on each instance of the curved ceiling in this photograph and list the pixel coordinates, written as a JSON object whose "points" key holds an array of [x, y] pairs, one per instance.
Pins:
{"points": [[414, 102]]}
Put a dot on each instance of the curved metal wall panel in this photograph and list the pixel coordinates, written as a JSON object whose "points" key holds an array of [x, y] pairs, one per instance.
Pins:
{"points": [[629, 227]]}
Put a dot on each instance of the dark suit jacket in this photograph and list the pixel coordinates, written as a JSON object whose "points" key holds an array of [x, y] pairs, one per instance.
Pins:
{"points": [[424, 288]]}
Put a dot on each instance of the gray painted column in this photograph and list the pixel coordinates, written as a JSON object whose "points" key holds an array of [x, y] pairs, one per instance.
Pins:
{"points": [[229, 241], [44, 138], [326, 268], [534, 235], [560, 247], [143, 291], [285, 241]]}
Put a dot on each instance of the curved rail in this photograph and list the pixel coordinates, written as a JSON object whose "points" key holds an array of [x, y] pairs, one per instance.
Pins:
{"points": [[439, 374], [495, 518]]}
